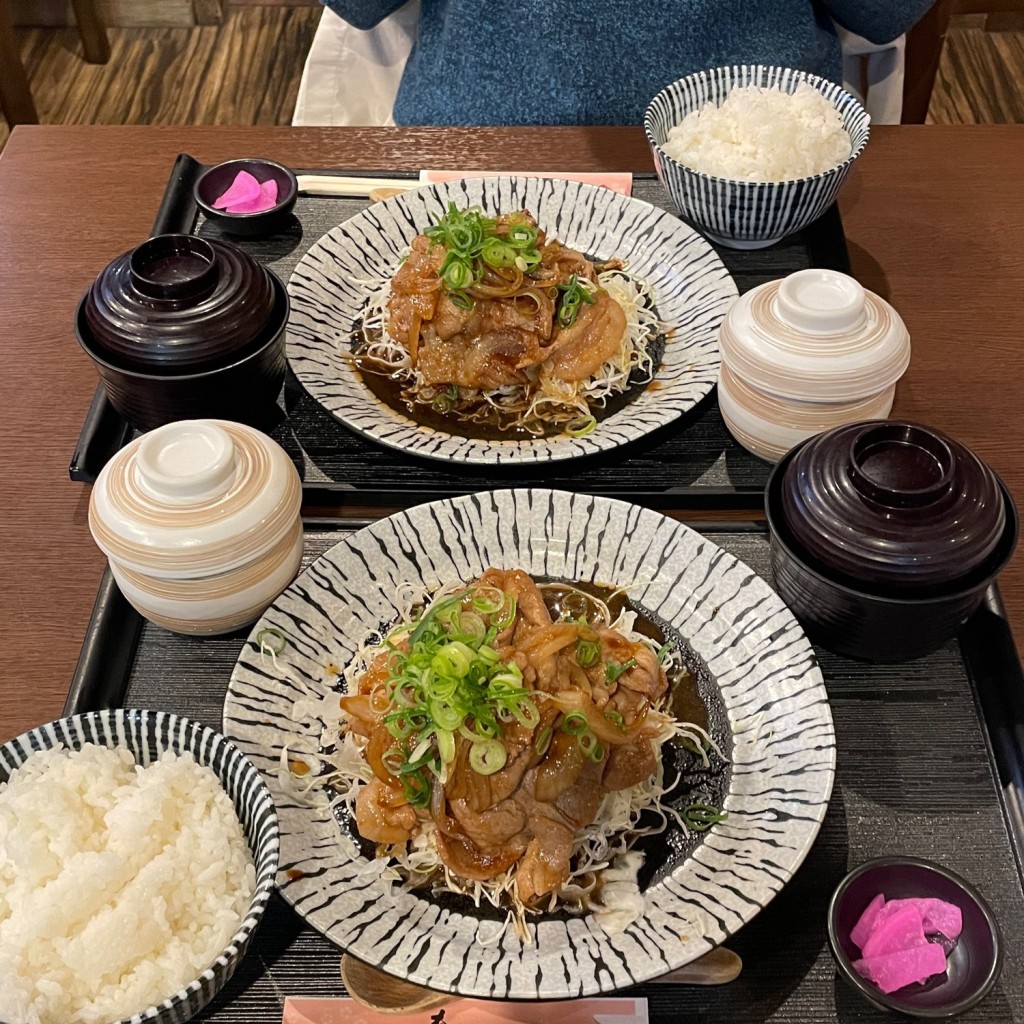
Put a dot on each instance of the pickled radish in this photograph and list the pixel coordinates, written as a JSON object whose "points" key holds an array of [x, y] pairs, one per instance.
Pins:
{"points": [[893, 937], [244, 189], [897, 970], [266, 200], [936, 915], [899, 931], [865, 925]]}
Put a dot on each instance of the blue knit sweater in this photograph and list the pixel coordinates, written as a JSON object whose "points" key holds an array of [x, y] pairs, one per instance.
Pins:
{"points": [[600, 62]]}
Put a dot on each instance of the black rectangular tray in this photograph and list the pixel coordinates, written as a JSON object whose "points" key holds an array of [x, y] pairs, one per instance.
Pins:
{"points": [[928, 764], [694, 459]]}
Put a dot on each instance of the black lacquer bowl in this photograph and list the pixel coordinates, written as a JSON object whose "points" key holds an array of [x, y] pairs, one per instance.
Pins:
{"points": [[885, 536], [973, 965], [187, 328]]}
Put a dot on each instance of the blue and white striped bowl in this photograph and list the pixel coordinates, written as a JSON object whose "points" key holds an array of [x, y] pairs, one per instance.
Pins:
{"points": [[147, 734], [747, 214]]}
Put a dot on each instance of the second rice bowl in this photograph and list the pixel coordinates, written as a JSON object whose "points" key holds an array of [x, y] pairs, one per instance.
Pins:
{"points": [[747, 214]]}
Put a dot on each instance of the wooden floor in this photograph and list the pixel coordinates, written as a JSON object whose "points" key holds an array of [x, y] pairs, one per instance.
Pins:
{"points": [[247, 71]]}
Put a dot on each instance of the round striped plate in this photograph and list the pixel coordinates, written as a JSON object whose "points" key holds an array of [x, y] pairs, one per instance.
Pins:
{"points": [[691, 287], [775, 725]]}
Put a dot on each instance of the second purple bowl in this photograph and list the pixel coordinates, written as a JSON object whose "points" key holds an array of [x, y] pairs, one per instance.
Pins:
{"points": [[872, 622]]}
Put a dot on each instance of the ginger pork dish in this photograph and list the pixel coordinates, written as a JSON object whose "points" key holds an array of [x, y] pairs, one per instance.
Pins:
{"points": [[491, 328], [504, 740]]}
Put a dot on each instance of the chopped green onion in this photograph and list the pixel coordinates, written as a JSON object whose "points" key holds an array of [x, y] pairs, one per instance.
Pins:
{"points": [[446, 681], [487, 600], [399, 724], [587, 653], [522, 235], [663, 651], [498, 253], [526, 713], [574, 292], [700, 817], [417, 788], [612, 669], [456, 273], [543, 741], [575, 723], [488, 757], [507, 615], [590, 746], [431, 614], [475, 242], [272, 639], [446, 746], [445, 716], [615, 718], [581, 426], [488, 653], [472, 628], [454, 658]]}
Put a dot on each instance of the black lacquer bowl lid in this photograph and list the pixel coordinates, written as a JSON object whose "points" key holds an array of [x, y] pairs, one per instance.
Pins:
{"points": [[178, 304], [894, 505]]}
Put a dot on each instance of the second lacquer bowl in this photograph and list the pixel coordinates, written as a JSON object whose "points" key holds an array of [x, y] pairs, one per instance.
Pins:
{"points": [[885, 536]]}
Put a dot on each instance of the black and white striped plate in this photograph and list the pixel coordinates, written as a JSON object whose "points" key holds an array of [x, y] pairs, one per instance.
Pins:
{"points": [[776, 726], [691, 287]]}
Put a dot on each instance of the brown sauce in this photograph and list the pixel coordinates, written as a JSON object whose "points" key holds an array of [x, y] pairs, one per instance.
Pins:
{"points": [[389, 389], [570, 599]]}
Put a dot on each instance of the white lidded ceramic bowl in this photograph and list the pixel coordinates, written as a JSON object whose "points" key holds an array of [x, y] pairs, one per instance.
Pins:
{"points": [[747, 214], [200, 522], [804, 354]]}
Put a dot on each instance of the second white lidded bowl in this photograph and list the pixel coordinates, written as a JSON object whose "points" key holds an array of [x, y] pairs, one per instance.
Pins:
{"points": [[809, 352], [200, 520]]}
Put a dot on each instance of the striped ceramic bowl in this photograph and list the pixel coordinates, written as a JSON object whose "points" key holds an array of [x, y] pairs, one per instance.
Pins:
{"points": [[747, 214], [147, 734]]}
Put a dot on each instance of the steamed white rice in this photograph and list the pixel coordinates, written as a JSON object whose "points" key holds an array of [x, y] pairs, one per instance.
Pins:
{"points": [[762, 134], [118, 884]]}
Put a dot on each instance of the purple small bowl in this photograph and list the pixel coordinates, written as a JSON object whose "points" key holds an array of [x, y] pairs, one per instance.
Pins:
{"points": [[214, 182], [971, 968]]}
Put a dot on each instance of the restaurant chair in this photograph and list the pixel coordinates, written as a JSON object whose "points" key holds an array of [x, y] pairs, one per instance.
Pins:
{"points": [[923, 53], [926, 38], [15, 96]]}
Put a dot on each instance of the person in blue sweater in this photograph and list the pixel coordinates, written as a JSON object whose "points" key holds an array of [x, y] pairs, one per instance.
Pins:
{"points": [[600, 62]]}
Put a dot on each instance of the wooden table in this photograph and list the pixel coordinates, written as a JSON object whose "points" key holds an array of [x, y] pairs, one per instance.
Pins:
{"points": [[934, 218]]}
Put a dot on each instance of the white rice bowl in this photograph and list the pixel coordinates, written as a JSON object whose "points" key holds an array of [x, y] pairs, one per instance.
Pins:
{"points": [[750, 213], [762, 134], [118, 884]]}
